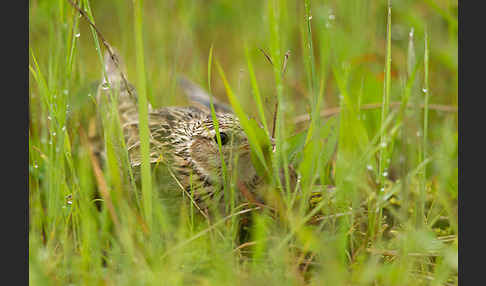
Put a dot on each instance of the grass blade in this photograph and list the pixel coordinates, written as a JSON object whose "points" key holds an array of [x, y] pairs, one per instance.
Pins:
{"points": [[143, 114]]}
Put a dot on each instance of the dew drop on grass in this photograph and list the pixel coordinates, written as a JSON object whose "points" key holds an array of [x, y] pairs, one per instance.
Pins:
{"points": [[69, 199], [77, 35], [310, 18], [53, 133], [424, 90], [65, 91], [382, 189], [385, 174], [383, 144], [49, 118], [369, 167], [35, 166], [105, 86]]}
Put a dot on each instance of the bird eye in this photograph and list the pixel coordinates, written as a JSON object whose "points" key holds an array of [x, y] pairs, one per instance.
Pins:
{"points": [[224, 138]]}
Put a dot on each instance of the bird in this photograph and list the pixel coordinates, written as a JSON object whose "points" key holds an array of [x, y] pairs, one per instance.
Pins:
{"points": [[183, 138]]}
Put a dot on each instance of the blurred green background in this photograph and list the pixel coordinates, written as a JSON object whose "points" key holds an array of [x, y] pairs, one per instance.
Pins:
{"points": [[178, 36]]}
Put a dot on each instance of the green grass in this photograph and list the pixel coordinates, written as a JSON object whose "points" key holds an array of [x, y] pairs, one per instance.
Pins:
{"points": [[391, 217]]}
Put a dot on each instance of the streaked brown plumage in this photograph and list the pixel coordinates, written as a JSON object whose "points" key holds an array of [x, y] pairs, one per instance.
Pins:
{"points": [[183, 139]]}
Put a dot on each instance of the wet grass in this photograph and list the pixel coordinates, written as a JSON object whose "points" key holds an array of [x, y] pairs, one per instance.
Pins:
{"points": [[376, 200]]}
